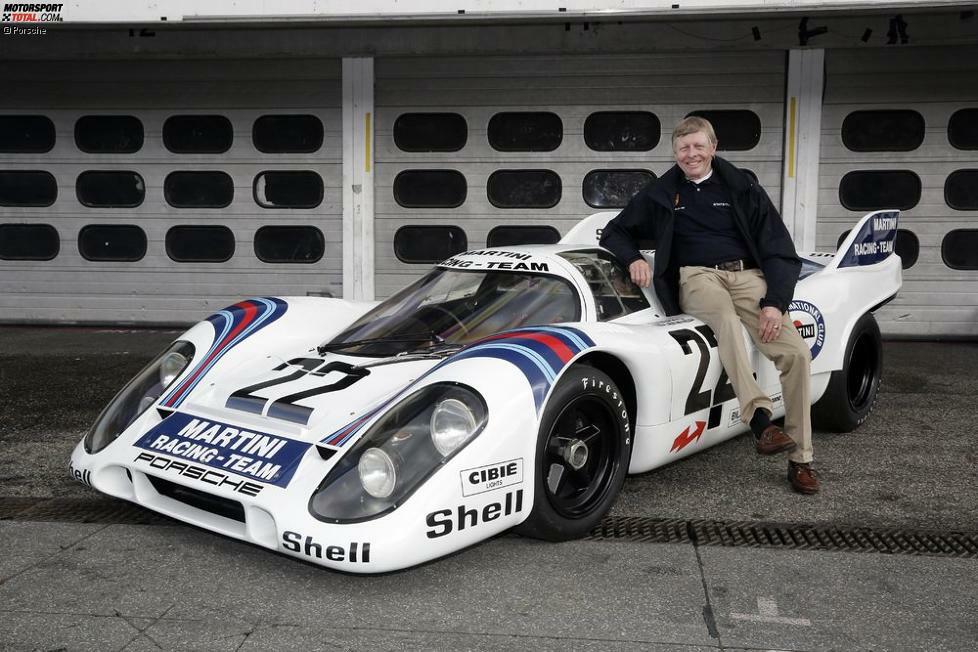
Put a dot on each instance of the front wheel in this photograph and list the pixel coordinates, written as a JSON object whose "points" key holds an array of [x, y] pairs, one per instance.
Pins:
{"points": [[583, 449], [852, 390]]}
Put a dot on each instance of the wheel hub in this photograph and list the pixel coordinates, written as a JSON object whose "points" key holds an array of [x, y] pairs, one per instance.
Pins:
{"points": [[575, 453]]}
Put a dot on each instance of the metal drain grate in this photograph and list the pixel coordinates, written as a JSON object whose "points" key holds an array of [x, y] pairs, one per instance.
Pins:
{"points": [[894, 541], [753, 534], [636, 528]]}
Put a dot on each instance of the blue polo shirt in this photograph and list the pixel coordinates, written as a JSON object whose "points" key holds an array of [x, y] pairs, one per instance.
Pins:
{"points": [[704, 231]]}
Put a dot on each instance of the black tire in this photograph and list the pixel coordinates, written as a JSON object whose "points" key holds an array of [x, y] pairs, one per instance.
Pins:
{"points": [[852, 390], [587, 408]]}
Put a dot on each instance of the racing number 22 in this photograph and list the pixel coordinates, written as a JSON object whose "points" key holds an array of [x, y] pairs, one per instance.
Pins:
{"points": [[699, 398], [285, 408]]}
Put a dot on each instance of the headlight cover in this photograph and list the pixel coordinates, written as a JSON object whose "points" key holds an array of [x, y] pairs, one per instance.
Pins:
{"points": [[138, 395], [399, 452]]}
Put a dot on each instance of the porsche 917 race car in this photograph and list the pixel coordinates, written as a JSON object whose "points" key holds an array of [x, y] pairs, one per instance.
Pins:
{"points": [[509, 387]]}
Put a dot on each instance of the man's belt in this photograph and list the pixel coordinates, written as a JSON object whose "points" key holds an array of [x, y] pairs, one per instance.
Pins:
{"points": [[738, 265]]}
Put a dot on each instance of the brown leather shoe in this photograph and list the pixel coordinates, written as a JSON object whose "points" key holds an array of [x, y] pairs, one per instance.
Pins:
{"points": [[802, 478], [773, 441]]}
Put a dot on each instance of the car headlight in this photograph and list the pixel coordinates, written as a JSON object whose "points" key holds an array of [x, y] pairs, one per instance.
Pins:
{"points": [[399, 452], [138, 395]]}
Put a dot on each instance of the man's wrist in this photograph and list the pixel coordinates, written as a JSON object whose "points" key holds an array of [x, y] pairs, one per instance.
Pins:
{"points": [[769, 303]]}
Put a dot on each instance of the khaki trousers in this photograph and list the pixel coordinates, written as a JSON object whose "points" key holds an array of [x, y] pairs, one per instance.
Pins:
{"points": [[724, 301]]}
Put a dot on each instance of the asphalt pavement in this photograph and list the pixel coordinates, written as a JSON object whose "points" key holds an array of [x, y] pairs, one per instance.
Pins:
{"points": [[122, 586]]}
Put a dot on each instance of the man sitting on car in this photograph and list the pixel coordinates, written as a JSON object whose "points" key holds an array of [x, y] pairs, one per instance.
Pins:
{"points": [[723, 255]]}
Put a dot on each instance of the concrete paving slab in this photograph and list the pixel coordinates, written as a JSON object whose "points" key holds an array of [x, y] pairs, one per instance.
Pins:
{"points": [[284, 637], [24, 544], [33, 631], [614, 591], [797, 600]]}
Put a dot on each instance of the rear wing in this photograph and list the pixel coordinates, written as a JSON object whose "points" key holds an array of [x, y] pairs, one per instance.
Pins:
{"points": [[588, 231], [870, 242]]}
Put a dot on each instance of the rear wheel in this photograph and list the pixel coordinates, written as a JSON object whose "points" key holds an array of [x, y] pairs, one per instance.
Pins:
{"points": [[583, 448], [852, 390]]}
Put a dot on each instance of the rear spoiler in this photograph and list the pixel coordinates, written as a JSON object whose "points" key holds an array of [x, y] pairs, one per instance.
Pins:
{"points": [[871, 241]]}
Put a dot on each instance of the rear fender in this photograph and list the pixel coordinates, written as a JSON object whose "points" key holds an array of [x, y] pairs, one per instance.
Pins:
{"points": [[864, 273]]}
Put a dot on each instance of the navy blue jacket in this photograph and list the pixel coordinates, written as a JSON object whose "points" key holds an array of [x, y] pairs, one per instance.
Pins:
{"points": [[649, 216]]}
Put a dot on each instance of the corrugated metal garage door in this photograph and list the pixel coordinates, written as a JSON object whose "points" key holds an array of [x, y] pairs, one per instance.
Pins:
{"points": [[574, 88], [89, 280], [911, 115]]}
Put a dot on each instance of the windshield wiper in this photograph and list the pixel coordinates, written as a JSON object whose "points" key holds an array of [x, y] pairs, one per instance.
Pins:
{"points": [[334, 346]]}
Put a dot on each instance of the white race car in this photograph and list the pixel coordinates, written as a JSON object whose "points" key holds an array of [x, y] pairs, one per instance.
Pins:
{"points": [[508, 387]]}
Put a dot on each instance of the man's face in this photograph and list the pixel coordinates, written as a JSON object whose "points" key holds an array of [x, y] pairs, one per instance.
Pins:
{"points": [[694, 154]]}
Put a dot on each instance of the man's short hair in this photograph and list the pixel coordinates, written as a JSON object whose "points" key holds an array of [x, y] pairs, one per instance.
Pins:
{"points": [[691, 125]]}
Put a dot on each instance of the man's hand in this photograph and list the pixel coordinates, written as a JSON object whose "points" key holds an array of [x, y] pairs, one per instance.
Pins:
{"points": [[770, 324], [641, 273]]}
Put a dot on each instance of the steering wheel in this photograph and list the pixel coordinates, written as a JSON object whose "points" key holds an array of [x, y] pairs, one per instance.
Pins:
{"points": [[465, 330]]}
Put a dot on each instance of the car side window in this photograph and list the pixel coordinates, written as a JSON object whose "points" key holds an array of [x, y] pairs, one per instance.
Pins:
{"points": [[614, 292]]}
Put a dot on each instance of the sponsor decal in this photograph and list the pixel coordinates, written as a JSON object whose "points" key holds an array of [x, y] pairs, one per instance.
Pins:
{"points": [[194, 472], [674, 321], [232, 326], [269, 459], [539, 352], [30, 12], [685, 438], [83, 476], [492, 476], [353, 552], [810, 324], [445, 521], [523, 262], [874, 242]]}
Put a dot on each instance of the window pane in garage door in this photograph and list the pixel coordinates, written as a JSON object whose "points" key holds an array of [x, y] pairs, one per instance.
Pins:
{"points": [[430, 188], [523, 188], [736, 130], [197, 134], [289, 244], [28, 242], [907, 246], [288, 189], [883, 131], [962, 129], [109, 134], [110, 189], [115, 242], [198, 189], [961, 190], [622, 131], [504, 236], [614, 188], [430, 132], [959, 249], [27, 188], [868, 190], [528, 131], [26, 134], [279, 134], [429, 244], [199, 244]]}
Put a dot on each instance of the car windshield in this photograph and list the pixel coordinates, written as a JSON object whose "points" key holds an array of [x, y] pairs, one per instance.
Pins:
{"points": [[450, 307]]}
